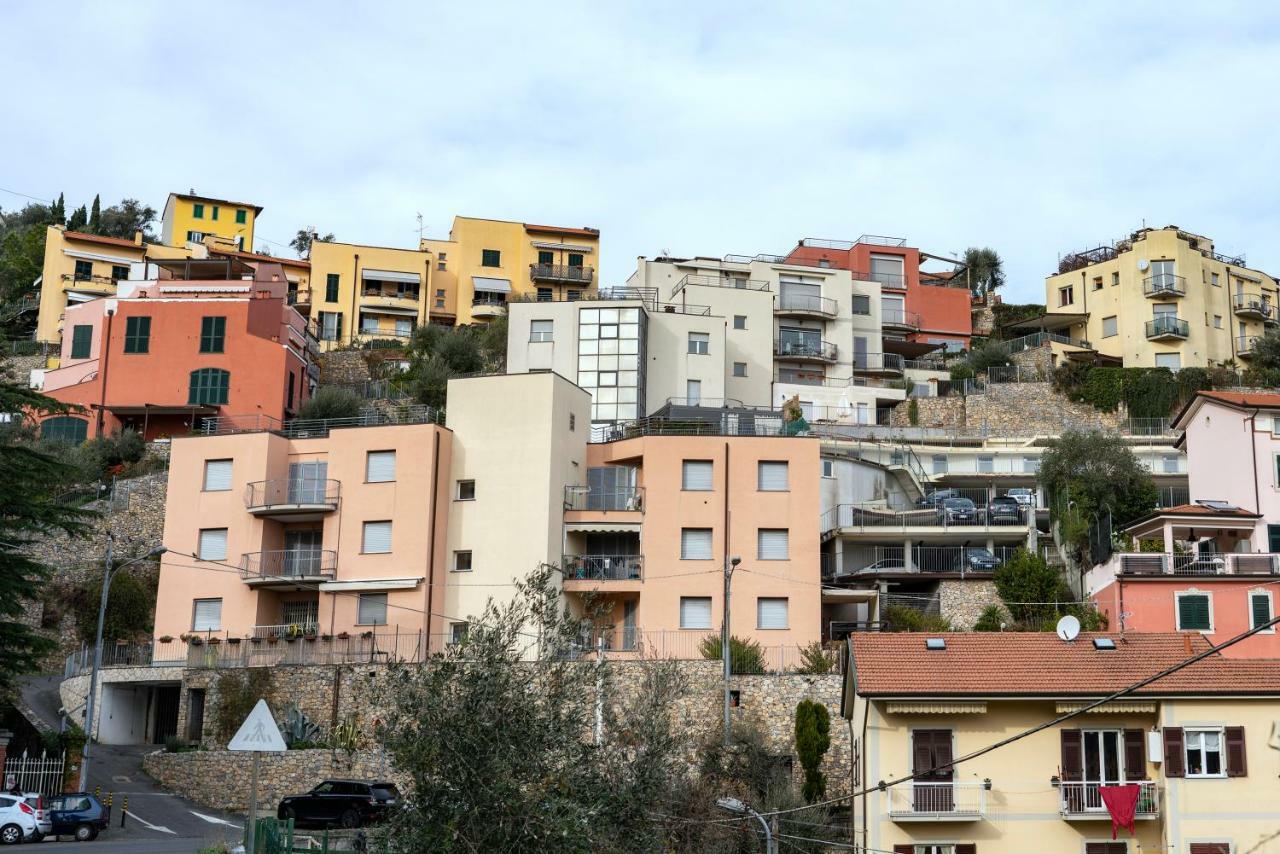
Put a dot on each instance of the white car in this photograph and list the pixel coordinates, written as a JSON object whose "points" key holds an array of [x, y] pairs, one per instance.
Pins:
{"points": [[17, 820], [1024, 496], [44, 826]]}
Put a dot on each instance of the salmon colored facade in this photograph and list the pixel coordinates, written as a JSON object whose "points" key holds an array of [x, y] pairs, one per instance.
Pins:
{"points": [[165, 353]]}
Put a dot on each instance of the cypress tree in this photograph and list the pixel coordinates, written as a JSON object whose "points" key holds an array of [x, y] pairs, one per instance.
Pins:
{"points": [[95, 216], [813, 737]]}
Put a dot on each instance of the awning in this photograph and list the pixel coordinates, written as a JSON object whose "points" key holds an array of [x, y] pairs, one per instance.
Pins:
{"points": [[370, 584], [497, 286], [162, 409], [1109, 708], [936, 708], [391, 276], [563, 247], [93, 256], [386, 309], [1048, 322], [831, 595], [602, 527], [81, 296]]}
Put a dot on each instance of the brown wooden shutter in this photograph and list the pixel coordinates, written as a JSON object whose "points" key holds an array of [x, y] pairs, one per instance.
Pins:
{"points": [[922, 751], [1237, 766], [942, 753], [1210, 848], [1175, 756], [1135, 754], [966, 848], [1106, 848], [1072, 755], [904, 849]]}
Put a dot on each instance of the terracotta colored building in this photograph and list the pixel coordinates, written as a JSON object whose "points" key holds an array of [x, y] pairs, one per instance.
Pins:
{"points": [[196, 338], [916, 308]]}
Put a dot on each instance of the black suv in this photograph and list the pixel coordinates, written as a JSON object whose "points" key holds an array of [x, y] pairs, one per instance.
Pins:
{"points": [[1004, 510], [345, 803], [976, 560]]}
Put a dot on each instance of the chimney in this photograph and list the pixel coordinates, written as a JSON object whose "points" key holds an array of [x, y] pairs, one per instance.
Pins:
{"points": [[1186, 643], [137, 237]]}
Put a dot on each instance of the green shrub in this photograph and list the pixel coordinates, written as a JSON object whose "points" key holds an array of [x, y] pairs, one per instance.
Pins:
{"points": [[131, 603], [746, 658], [961, 371], [813, 737], [237, 694], [991, 620], [331, 402], [903, 619], [815, 659]]}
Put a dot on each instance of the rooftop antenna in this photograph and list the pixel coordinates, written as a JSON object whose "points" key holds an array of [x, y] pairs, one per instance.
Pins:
{"points": [[420, 225], [1068, 628]]}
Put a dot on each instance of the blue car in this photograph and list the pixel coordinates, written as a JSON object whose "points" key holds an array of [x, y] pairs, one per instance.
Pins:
{"points": [[77, 814]]}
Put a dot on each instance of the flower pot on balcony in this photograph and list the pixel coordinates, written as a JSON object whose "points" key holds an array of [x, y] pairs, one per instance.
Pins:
{"points": [[196, 642], [166, 639], [309, 638], [326, 638], [233, 640], [366, 635], [273, 638], [215, 641], [255, 640], [343, 635], [290, 638]]}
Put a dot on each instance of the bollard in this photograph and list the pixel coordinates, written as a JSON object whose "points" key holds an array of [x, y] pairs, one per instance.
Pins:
{"points": [[97, 792], [124, 810]]}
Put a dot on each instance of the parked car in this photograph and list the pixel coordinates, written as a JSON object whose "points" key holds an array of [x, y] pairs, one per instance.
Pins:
{"points": [[1004, 510], [44, 827], [957, 511], [17, 820], [976, 560], [77, 814], [345, 803], [935, 498], [1024, 495]]}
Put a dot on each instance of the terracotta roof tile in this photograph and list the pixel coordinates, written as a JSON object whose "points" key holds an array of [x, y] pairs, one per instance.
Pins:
{"points": [[98, 238], [989, 664], [1202, 510], [1244, 398]]}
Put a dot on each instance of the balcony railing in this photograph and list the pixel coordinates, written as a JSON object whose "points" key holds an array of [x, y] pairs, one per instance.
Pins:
{"points": [[878, 362], [1084, 801], [586, 498], [898, 317], [289, 564], [799, 348], [710, 281], [1168, 327], [1164, 285], [486, 299], [1251, 306], [266, 495], [786, 303], [1199, 563], [573, 273], [961, 560], [921, 801], [888, 280], [878, 518], [603, 567], [1244, 344]]}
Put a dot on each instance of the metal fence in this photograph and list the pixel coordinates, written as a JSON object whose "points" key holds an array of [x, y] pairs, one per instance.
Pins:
{"points": [[299, 428], [964, 560], [878, 517], [585, 498], [44, 773]]}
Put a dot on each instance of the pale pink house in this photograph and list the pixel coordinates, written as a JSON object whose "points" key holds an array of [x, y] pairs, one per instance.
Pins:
{"points": [[1217, 570]]}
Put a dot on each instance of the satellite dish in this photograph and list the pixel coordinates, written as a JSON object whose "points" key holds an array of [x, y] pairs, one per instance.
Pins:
{"points": [[1143, 264], [1068, 628]]}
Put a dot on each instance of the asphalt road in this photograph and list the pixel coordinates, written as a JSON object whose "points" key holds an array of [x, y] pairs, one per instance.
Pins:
{"points": [[104, 845]]}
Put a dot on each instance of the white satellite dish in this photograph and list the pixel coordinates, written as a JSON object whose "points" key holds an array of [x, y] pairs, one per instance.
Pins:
{"points": [[1143, 264], [1068, 628]]}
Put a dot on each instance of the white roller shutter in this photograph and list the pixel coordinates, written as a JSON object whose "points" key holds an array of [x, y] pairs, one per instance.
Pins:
{"points": [[372, 609], [380, 466], [773, 477], [695, 612], [207, 615], [213, 544], [772, 544], [377, 538], [695, 544], [771, 613], [217, 475], [697, 476]]}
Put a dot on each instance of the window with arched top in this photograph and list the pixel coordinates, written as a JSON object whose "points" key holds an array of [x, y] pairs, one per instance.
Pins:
{"points": [[209, 386], [64, 428]]}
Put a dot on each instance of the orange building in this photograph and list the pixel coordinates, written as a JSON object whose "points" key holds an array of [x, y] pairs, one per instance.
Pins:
{"points": [[197, 338], [916, 307]]}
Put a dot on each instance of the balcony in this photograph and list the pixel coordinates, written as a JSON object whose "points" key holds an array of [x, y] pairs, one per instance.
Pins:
{"points": [[919, 801], [803, 305], [1168, 328], [893, 281], [288, 567], [88, 284], [488, 306], [603, 567], [804, 350], [1251, 307], [878, 363], [1199, 564], [896, 318], [1244, 345], [562, 274], [400, 302], [941, 523], [294, 500], [627, 499], [1164, 285], [1083, 801]]}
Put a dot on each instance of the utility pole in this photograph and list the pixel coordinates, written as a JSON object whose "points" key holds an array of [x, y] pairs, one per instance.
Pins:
{"points": [[725, 654]]}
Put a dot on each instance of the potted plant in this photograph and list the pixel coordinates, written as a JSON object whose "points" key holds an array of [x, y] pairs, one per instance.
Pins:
{"points": [[166, 639], [343, 635], [255, 640], [326, 637], [214, 641], [196, 640], [233, 640], [366, 635], [273, 637]]}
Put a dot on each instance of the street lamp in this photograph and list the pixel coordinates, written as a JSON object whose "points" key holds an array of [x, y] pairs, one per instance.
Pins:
{"points": [[109, 570], [737, 807], [724, 642]]}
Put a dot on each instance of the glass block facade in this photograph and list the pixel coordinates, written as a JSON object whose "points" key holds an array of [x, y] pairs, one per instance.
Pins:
{"points": [[611, 361]]}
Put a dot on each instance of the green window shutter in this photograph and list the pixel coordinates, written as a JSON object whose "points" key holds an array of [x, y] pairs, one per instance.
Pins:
{"points": [[81, 341], [197, 211], [575, 259], [490, 258], [137, 335], [331, 287], [1193, 613], [209, 386], [546, 256], [1273, 538], [64, 428], [1260, 608], [241, 217], [213, 332], [215, 213], [84, 272]]}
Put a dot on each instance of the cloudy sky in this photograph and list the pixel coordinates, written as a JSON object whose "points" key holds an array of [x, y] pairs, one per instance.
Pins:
{"points": [[695, 127]]}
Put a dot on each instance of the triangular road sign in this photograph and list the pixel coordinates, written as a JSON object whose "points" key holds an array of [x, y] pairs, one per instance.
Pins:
{"points": [[258, 732]]}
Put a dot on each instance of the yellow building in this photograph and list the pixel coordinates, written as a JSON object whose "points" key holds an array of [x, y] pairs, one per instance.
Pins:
{"points": [[189, 218], [1162, 298], [1194, 745], [487, 262]]}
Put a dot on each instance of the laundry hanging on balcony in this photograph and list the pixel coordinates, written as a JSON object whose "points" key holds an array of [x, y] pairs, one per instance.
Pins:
{"points": [[1122, 803]]}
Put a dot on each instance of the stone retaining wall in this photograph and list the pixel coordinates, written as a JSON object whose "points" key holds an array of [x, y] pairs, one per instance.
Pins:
{"points": [[962, 602], [930, 412], [1009, 409], [344, 367]]}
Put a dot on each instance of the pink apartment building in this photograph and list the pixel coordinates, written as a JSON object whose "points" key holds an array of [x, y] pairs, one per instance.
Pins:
{"points": [[1217, 570]]}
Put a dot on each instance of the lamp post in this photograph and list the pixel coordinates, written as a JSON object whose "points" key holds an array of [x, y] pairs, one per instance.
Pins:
{"points": [[109, 570], [724, 642], [737, 807]]}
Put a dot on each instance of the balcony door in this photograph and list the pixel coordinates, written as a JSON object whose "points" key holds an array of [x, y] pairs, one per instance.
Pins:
{"points": [[1162, 276], [307, 482], [931, 759], [801, 342], [611, 488], [302, 552], [801, 295], [1103, 753]]}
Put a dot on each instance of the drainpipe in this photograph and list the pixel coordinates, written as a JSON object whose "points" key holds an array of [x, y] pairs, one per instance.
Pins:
{"points": [[1253, 449], [1231, 323], [355, 295], [431, 526], [103, 358]]}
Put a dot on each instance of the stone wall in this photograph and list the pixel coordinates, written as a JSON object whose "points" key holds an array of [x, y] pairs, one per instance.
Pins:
{"points": [[983, 319], [344, 367], [930, 412], [962, 602], [1009, 409], [1038, 359]]}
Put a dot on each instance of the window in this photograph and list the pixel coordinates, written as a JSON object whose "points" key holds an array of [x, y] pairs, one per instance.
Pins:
{"points": [[213, 333], [695, 612], [693, 392], [1106, 848], [197, 211], [376, 539], [1260, 610], [739, 321], [695, 544], [242, 216], [195, 236], [1172, 361], [217, 475], [81, 341], [213, 544], [1273, 537], [544, 294], [699, 343], [1213, 280], [466, 490], [771, 613], [330, 325], [772, 476], [65, 428], [457, 632], [1204, 753], [371, 609], [546, 256], [739, 369], [331, 287], [861, 304], [1195, 612], [215, 213], [771, 543], [940, 464], [828, 468], [380, 466], [84, 271], [137, 334], [695, 476], [1097, 283], [573, 420], [1210, 848], [206, 615], [209, 386], [119, 272], [289, 398], [1217, 321], [462, 561], [1169, 464], [490, 258], [1110, 326], [607, 378], [1115, 279], [572, 296], [575, 259], [540, 330], [1067, 295]]}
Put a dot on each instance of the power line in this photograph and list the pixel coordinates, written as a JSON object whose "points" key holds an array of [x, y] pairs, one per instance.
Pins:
{"points": [[25, 196]]}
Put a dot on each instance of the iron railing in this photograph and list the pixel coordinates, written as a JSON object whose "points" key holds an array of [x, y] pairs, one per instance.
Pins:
{"points": [[881, 240], [709, 281], [804, 348], [289, 563], [880, 362], [603, 567], [785, 302], [937, 801], [301, 428], [1253, 305], [481, 299], [1084, 800], [1173, 496], [1037, 339], [871, 560], [585, 498], [898, 317], [571, 273], [1231, 260], [1245, 343], [1164, 284], [1167, 326], [288, 492], [726, 423], [1199, 563], [879, 518], [888, 280]]}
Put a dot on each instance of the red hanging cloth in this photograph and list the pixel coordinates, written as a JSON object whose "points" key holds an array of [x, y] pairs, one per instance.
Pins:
{"points": [[1122, 803]]}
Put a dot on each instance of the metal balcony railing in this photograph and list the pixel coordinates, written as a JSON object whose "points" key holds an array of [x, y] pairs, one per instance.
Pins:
{"points": [[289, 563], [1167, 326], [709, 281], [486, 299], [962, 560], [804, 303], [1164, 285], [1083, 800], [1251, 305], [934, 801], [572, 273], [804, 348], [603, 567], [1244, 344], [292, 492], [888, 280], [877, 517], [898, 317], [1199, 563], [586, 498]]}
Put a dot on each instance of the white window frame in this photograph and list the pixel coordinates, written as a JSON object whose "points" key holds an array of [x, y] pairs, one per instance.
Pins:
{"points": [[226, 548], [360, 604], [1271, 609], [737, 318], [1221, 732], [786, 540], [457, 489], [364, 537], [685, 551], [471, 560], [764, 466], [699, 343], [786, 613], [368, 466], [540, 335], [739, 369], [1115, 326], [697, 599], [695, 467], [828, 468], [1177, 609], [230, 474], [195, 609]]}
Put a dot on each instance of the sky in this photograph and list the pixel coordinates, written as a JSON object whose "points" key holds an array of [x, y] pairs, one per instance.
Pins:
{"points": [[691, 128]]}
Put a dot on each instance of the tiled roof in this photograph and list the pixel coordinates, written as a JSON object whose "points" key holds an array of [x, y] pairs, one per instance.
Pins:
{"points": [[555, 229], [1202, 510], [993, 664], [98, 238], [1244, 398]]}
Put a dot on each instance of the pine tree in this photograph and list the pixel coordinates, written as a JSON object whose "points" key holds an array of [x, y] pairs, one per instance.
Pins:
{"points": [[95, 216], [58, 213], [79, 219]]}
